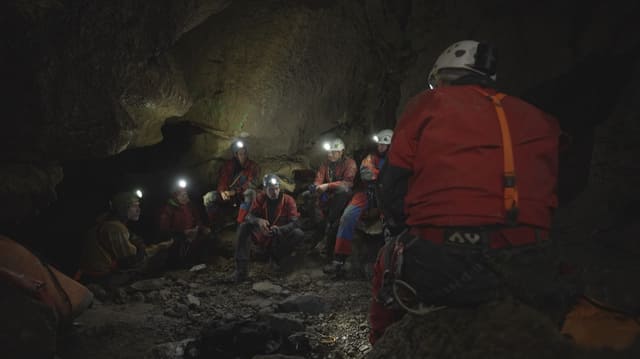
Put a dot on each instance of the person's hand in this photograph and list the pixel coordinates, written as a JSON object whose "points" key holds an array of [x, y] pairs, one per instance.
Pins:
{"points": [[322, 188], [275, 231], [263, 224], [227, 195]]}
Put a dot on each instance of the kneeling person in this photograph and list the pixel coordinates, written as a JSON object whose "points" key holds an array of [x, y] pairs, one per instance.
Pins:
{"points": [[272, 223]]}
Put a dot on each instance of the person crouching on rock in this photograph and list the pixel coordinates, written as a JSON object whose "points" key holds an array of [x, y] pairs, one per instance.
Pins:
{"points": [[272, 222]]}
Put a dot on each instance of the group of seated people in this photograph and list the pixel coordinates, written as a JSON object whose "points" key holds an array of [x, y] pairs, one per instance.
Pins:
{"points": [[264, 214]]}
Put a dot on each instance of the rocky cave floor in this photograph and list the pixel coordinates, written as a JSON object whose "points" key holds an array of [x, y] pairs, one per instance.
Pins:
{"points": [[296, 311], [159, 317]]}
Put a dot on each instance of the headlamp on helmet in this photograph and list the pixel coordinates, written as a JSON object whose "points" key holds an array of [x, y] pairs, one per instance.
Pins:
{"points": [[383, 137], [236, 146], [270, 180], [333, 145]]}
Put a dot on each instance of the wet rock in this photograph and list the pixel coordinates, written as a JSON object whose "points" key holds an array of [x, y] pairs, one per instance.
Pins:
{"points": [[285, 323], [267, 288], [158, 296], [193, 301], [311, 304], [299, 280], [259, 303], [178, 311], [316, 274], [198, 267], [120, 296], [473, 333], [148, 285], [243, 339], [277, 356], [137, 297], [182, 282], [172, 350]]}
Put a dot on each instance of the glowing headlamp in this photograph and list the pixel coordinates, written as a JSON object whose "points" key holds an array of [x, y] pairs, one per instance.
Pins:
{"points": [[182, 183], [326, 146], [138, 193], [375, 138]]}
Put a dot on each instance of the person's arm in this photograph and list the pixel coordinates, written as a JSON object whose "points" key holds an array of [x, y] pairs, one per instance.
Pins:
{"points": [[291, 212], [252, 178], [393, 180], [115, 239], [224, 177], [391, 190], [349, 174], [256, 215], [321, 174]]}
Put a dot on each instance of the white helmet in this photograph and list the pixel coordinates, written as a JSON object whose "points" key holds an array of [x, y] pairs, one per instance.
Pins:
{"points": [[469, 55], [383, 137], [333, 145]]}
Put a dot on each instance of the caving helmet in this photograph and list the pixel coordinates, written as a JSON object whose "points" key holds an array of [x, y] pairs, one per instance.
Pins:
{"points": [[237, 145], [468, 55], [333, 145], [383, 137], [270, 180]]}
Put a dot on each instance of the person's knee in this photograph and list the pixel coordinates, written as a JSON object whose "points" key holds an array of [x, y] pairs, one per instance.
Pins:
{"points": [[245, 228], [297, 234], [339, 190]]}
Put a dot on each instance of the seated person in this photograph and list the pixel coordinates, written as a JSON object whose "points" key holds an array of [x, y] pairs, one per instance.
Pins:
{"points": [[111, 248], [272, 223], [236, 176], [180, 221], [363, 199], [332, 190]]}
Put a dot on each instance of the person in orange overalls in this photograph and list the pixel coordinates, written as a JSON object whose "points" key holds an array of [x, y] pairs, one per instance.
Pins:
{"points": [[332, 190], [467, 194], [180, 221], [237, 175], [362, 200], [272, 223]]}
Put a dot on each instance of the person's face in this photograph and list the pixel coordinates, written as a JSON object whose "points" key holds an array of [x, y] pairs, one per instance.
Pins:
{"points": [[334, 155], [382, 148], [241, 155], [181, 196], [273, 192], [134, 211]]}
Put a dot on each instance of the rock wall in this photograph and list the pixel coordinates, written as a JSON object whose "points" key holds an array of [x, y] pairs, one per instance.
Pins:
{"points": [[86, 79], [281, 76]]}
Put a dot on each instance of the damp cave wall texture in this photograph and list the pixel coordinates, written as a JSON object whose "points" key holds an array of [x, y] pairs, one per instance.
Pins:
{"points": [[86, 80]]}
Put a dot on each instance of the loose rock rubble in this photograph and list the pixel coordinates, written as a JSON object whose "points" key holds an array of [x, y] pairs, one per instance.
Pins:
{"points": [[171, 316]]}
